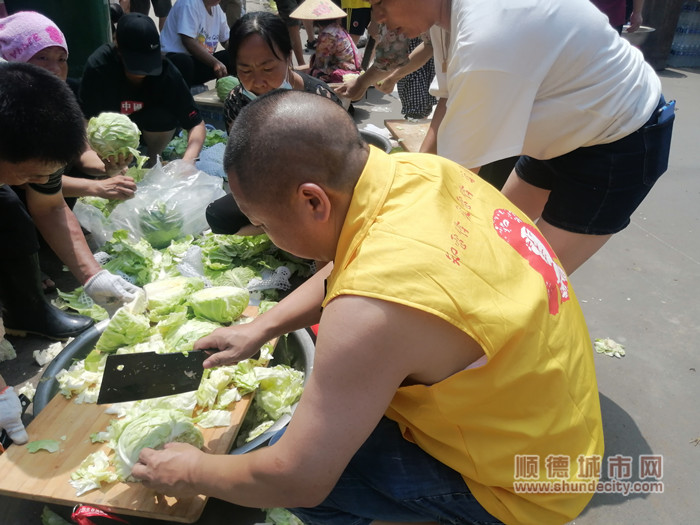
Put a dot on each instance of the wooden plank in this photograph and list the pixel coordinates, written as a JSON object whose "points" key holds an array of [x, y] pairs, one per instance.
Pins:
{"points": [[409, 134], [45, 476]]}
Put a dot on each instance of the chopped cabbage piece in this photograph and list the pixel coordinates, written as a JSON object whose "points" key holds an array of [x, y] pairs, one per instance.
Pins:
{"points": [[215, 418], [153, 430], [92, 472], [49, 517], [609, 347], [280, 516], [50, 445], [280, 387]]}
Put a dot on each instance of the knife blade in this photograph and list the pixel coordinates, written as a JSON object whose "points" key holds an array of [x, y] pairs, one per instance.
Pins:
{"points": [[144, 375]]}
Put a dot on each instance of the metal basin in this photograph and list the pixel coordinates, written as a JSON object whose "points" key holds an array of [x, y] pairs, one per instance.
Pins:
{"points": [[296, 350], [375, 139], [639, 36]]}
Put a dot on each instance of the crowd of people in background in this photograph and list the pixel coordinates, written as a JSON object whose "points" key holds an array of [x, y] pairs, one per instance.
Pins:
{"points": [[489, 266]]}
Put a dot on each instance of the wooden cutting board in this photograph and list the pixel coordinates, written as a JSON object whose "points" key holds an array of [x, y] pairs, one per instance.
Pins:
{"points": [[44, 476], [409, 134]]}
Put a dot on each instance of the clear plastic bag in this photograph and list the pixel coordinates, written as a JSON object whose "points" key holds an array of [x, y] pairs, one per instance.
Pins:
{"points": [[93, 220], [169, 204]]}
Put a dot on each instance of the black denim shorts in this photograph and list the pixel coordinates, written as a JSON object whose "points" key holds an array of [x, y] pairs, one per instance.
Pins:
{"points": [[391, 479], [595, 190]]}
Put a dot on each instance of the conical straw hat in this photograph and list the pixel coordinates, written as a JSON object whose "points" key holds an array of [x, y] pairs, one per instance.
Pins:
{"points": [[318, 10]]}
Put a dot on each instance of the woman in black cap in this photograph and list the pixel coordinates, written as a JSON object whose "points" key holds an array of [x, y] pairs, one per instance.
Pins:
{"points": [[131, 77]]}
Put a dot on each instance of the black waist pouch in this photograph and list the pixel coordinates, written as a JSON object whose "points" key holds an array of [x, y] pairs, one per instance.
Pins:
{"points": [[657, 141]]}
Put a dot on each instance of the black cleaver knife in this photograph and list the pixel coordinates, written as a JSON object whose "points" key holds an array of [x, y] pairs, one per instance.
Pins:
{"points": [[130, 377]]}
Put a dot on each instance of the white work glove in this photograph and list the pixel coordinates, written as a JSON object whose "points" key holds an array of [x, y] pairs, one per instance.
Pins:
{"points": [[11, 416], [110, 291]]}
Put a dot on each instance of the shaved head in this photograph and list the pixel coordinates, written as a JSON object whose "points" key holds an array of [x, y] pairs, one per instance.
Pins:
{"points": [[286, 138]]}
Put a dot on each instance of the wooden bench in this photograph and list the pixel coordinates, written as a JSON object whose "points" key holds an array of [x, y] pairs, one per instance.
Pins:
{"points": [[209, 99], [211, 108]]}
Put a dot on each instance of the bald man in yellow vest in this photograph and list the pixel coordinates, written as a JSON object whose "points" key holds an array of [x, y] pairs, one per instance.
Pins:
{"points": [[453, 368]]}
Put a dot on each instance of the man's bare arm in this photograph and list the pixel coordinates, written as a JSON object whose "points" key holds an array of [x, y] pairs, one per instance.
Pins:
{"points": [[299, 309], [199, 52], [365, 350]]}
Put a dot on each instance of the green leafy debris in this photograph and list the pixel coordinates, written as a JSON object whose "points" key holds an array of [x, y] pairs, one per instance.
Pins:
{"points": [[609, 347]]}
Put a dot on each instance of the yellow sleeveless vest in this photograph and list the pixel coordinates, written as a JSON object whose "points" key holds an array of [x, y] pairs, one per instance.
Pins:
{"points": [[424, 232], [355, 4]]}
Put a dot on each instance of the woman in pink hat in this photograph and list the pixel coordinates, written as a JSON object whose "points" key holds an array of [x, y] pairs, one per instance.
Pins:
{"points": [[27, 36], [30, 37]]}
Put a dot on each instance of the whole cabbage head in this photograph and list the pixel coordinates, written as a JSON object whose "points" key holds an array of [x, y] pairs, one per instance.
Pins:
{"points": [[224, 86], [111, 134], [161, 223]]}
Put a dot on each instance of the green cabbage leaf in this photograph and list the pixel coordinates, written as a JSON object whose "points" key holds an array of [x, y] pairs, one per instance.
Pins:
{"points": [[180, 336], [221, 304], [279, 388], [49, 517], [128, 326], [136, 260], [79, 301], [50, 445], [280, 516]]}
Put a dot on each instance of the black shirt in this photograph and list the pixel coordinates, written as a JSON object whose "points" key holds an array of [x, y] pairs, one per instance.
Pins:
{"points": [[105, 87]]}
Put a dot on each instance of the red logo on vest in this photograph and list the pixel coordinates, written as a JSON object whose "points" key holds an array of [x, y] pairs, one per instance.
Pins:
{"points": [[530, 243], [130, 106]]}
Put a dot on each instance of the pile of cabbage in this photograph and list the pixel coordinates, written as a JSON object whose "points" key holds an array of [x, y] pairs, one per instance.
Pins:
{"points": [[164, 323], [219, 260], [178, 145], [191, 288]]}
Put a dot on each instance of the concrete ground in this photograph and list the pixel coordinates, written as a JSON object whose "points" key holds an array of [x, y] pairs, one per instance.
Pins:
{"points": [[641, 289]]}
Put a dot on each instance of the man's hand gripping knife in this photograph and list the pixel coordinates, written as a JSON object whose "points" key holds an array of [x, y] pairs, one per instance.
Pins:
{"points": [[11, 416], [110, 291]]}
